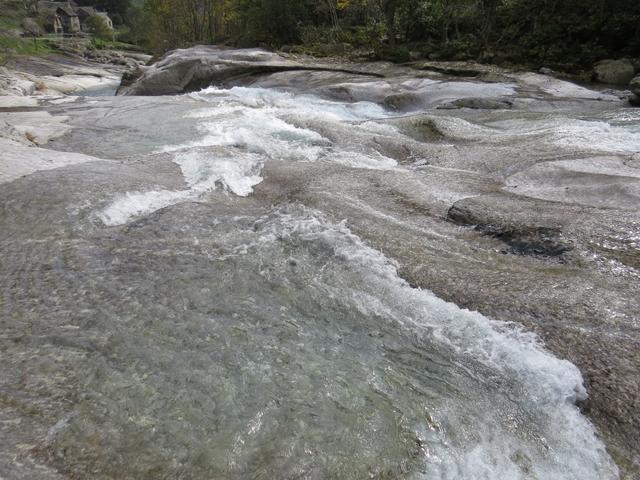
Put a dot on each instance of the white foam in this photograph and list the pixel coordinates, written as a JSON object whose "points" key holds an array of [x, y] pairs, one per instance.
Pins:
{"points": [[203, 173], [565, 445], [255, 131], [374, 161], [268, 122], [134, 204], [237, 175], [282, 101]]}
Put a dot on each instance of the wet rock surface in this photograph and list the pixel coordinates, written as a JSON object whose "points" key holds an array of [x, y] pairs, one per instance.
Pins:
{"points": [[478, 104], [188, 70], [55, 74], [527, 214]]}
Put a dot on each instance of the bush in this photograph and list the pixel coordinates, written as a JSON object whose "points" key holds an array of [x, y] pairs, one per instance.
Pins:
{"points": [[398, 54], [99, 28]]}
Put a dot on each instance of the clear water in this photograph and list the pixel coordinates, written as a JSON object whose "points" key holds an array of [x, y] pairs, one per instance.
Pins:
{"points": [[213, 337]]}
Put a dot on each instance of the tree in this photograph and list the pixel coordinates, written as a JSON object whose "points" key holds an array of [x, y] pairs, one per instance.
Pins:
{"points": [[390, 7], [99, 28]]}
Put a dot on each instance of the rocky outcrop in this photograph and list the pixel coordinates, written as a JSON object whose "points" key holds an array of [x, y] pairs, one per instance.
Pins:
{"points": [[130, 60], [192, 69], [404, 101], [129, 77], [614, 72], [13, 84], [55, 75], [458, 69], [32, 28]]}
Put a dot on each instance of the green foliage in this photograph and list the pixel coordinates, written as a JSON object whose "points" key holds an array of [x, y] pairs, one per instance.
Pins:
{"points": [[10, 46], [555, 33], [396, 54], [561, 34], [100, 44], [11, 14], [97, 26], [9, 22], [117, 8]]}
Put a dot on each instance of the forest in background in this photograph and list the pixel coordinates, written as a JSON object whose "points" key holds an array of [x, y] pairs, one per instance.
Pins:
{"points": [[560, 34], [554, 33]]}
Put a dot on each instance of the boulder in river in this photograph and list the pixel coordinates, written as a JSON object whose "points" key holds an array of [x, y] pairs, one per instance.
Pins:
{"points": [[634, 86], [615, 72], [403, 101], [191, 69]]}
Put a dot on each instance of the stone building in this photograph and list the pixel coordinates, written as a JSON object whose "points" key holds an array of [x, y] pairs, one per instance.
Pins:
{"points": [[70, 19], [66, 17], [84, 13]]}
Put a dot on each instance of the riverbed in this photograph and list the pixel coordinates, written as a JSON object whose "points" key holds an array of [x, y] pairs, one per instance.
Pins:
{"points": [[323, 274]]}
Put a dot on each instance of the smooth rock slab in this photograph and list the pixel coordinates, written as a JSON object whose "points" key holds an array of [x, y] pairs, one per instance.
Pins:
{"points": [[603, 182], [18, 160], [478, 104], [188, 70]]}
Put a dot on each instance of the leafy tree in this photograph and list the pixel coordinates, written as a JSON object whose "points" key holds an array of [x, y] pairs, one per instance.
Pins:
{"points": [[550, 32], [99, 28]]}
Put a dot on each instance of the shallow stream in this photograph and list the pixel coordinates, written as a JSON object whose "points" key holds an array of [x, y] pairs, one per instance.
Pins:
{"points": [[169, 313]]}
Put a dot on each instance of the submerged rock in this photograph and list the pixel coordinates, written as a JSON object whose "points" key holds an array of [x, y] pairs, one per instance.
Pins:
{"points": [[523, 236], [403, 101], [478, 104]]}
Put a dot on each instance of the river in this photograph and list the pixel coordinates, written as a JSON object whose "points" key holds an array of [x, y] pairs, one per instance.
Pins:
{"points": [[239, 283]]}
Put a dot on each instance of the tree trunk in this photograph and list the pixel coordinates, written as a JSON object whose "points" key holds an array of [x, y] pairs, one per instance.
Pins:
{"points": [[390, 7]]}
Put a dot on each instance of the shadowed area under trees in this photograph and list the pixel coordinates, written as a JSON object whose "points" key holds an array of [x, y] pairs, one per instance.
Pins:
{"points": [[551, 32]]}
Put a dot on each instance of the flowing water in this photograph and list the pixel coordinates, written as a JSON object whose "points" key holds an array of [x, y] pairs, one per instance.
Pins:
{"points": [[170, 324]]}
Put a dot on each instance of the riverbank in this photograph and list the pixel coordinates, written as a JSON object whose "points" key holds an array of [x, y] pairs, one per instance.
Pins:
{"points": [[508, 193], [65, 74]]}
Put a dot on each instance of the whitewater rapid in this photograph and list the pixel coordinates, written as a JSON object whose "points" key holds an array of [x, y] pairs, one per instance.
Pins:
{"points": [[316, 359]]}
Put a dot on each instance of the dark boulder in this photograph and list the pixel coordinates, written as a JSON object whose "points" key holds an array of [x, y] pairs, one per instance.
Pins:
{"points": [[523, 234], [634, 86], [403, 102], [478, 104], [614, 72], [129, 78]]}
